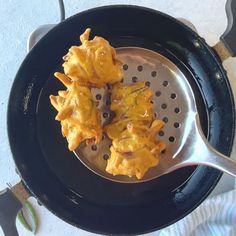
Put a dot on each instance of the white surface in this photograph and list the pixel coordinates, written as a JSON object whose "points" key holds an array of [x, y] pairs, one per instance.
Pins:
{"points": [[19, 18]]}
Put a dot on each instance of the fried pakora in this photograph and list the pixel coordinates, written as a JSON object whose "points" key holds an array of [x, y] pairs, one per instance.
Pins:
{"points": [[131, 104], [80, 118], [93, 63], [135, 150]]}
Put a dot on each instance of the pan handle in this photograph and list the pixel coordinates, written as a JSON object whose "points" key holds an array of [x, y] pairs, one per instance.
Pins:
{"points": [[228, 37], [11, 201]]}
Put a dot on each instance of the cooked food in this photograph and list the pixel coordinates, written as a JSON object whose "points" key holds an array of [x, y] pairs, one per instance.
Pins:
{"points": [[135, 150], [135, 147], [80, 118], [93, 63], [131, 104]]}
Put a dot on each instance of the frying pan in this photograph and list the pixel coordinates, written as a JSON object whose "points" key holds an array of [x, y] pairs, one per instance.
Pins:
{"points": [[59, 181]]}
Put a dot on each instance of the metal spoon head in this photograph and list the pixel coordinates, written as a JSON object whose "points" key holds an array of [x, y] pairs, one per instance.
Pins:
{"points": [[173, 102]]}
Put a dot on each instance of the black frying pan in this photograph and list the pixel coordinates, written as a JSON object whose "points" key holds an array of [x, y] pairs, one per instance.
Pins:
{"points": [[59, 181]]}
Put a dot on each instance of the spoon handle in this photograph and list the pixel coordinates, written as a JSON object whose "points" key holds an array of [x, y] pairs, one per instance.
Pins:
{"points": [[205, 154], [219, 161]]}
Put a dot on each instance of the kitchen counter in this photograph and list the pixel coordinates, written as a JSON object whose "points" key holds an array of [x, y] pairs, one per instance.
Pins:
{"points": [[19, 18]]}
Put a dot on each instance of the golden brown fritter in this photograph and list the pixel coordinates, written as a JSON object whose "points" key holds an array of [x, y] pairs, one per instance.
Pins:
{"points": [[93, 63], [131, 104], [80, 118], [135, 150]]}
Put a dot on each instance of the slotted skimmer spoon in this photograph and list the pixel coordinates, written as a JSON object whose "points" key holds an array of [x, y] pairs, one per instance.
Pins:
{"points": [[174, 103]]}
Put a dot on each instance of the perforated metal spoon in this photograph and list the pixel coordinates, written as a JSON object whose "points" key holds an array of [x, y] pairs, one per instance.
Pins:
{"points": [[174, 103]]}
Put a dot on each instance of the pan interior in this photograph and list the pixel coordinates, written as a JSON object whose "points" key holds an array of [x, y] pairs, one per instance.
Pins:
{"points": [[172, 101], [75, 175]]}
